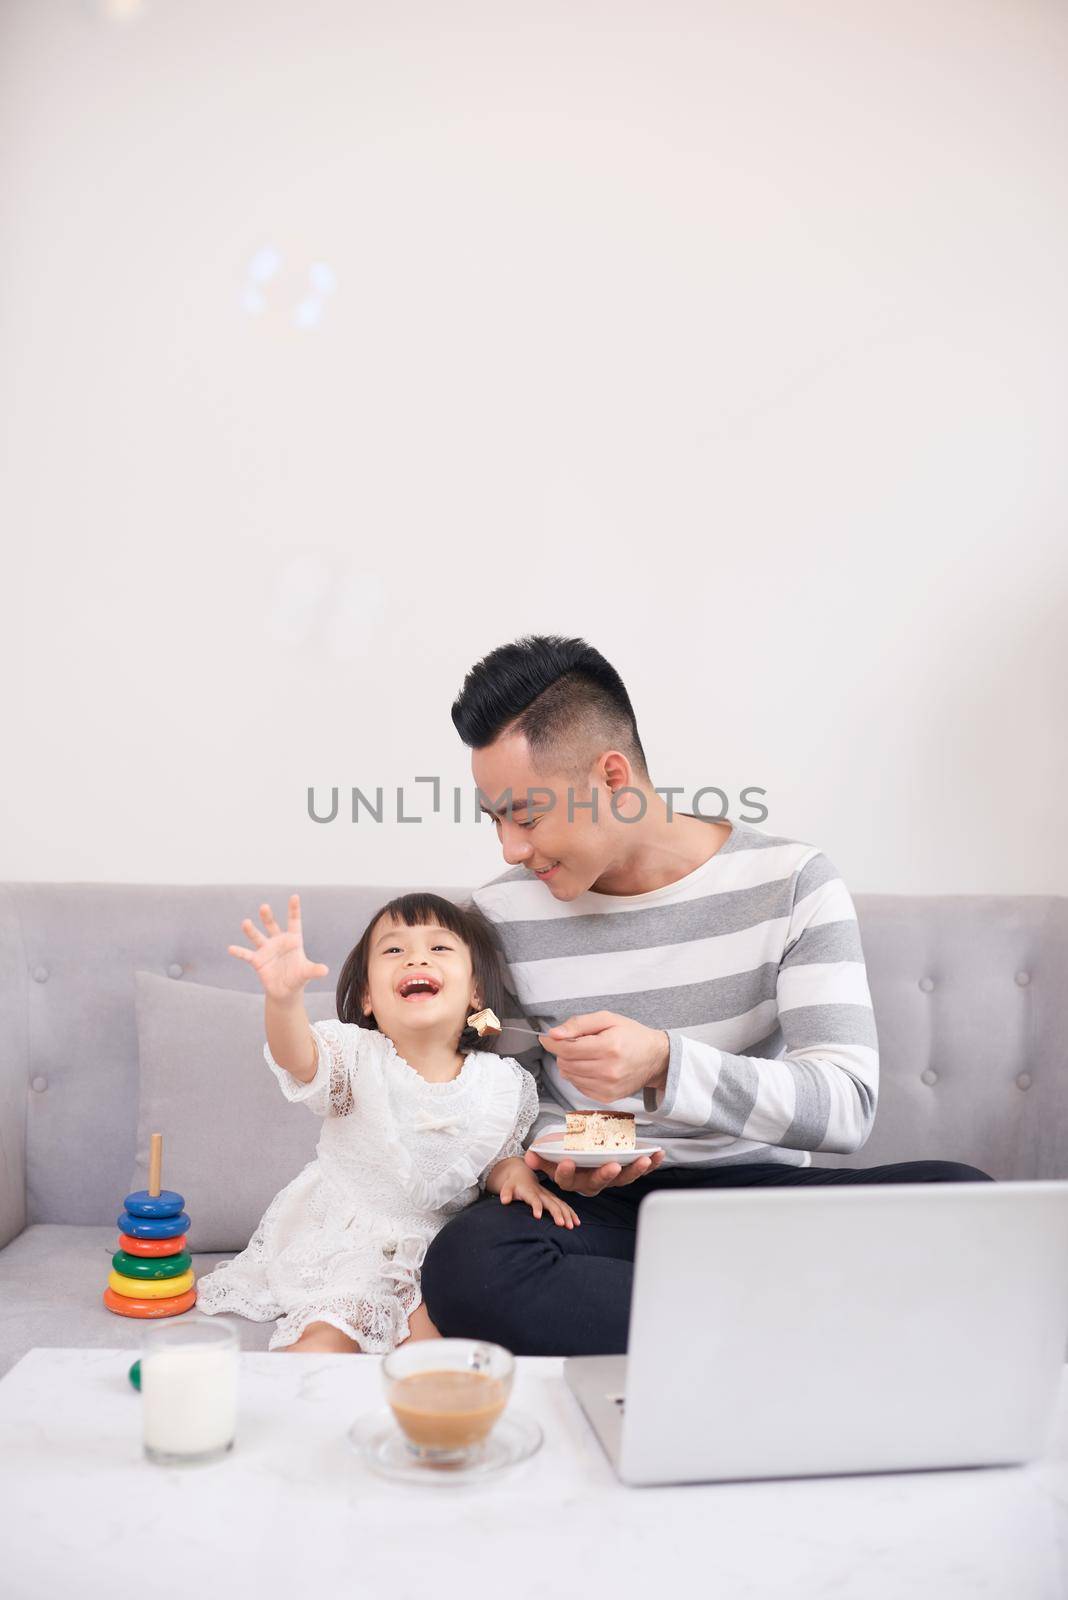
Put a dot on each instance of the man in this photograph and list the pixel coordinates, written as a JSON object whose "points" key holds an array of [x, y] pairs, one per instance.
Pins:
{"points": [[704, 975]]}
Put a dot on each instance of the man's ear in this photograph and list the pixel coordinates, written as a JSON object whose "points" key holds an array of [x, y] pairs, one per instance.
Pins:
{"points": [[614, 769]]}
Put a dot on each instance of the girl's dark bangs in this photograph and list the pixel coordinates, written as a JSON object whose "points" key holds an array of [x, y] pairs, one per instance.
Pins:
{"points": [[420, 910]]}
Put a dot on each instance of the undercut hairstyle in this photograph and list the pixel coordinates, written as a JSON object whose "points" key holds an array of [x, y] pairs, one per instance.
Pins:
{"points": [[465, 923], [566, 700]]}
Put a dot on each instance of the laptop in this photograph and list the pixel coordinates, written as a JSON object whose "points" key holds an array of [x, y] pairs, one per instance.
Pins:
{"points": [[796, 1332]]}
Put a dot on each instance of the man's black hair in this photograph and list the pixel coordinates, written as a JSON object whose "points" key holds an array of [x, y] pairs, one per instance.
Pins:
{"points": [[561, 694]]}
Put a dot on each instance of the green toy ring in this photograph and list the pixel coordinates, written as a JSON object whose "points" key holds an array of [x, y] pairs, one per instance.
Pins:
{"points": [[151, 1266]]}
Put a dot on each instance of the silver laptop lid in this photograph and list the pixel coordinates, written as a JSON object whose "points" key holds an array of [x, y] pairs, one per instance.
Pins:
{"points": [[795, 1331]]}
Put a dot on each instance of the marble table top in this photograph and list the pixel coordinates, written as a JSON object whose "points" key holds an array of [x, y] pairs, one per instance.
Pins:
{"points": [[293, 1511]]}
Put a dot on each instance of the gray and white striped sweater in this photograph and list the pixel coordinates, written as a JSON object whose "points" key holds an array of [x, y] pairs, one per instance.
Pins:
{"points": [[753, 965]]}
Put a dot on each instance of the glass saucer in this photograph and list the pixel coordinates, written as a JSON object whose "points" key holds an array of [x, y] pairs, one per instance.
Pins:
{"points": [[377, 1438]]}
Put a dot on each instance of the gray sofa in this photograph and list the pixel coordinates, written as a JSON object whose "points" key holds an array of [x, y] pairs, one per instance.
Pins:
{"points": [[970, 996]]}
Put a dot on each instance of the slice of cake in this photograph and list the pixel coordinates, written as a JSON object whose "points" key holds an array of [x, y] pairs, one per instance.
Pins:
{"points": [[600, 1130], [484, 1023]]}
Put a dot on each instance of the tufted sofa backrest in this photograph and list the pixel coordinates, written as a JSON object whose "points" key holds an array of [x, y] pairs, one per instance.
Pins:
{"points": [[970, 996]]}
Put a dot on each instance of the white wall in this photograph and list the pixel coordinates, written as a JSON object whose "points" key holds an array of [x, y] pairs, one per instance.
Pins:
{"points": [[731, 336]]}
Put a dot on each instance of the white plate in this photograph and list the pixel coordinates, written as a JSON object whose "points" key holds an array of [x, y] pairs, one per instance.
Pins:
{"points": [[552, 1149]]}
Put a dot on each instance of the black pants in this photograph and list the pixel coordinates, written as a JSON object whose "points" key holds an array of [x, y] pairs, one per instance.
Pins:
{"points": [[498, 1272]]}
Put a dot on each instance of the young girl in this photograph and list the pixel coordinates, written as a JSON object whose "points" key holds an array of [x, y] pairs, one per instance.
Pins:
{"points": [[418, 1112]]}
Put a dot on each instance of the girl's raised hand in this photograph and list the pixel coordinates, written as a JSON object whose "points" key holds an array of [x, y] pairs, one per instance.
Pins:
{"points": [[278, 958]]}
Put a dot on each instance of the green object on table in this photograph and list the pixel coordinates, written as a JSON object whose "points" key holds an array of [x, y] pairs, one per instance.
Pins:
{"points": [[134, 1374], [151, 1267]]}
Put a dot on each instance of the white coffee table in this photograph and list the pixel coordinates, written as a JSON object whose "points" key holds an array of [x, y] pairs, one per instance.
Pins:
{"points": [[293, 1512]]}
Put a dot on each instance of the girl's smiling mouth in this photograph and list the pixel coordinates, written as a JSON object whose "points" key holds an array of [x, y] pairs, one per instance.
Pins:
{"points": [[418, 987]]}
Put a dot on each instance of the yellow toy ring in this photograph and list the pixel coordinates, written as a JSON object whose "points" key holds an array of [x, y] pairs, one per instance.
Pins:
{"points": [[151, 1288]]}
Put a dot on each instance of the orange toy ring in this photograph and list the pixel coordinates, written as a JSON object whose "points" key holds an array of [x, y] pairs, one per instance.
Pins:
{"points": [[168, 1307], [152, 1247]]}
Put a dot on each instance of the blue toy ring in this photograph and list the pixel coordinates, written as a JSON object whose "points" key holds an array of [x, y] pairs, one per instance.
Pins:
{"points": [[143, 1204], [153, 1227]]}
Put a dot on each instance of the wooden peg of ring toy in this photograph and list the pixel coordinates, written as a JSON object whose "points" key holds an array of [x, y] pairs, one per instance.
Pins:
{"points": [[155, 1203], [152, 1270]]}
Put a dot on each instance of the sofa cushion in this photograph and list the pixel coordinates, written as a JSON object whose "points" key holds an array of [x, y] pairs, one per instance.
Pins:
{"points": [[52, 1282], [230, 1139]]}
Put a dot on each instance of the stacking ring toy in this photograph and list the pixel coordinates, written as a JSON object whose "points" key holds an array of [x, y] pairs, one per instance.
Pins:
{"points": [[151, 1247], [152, 1227], [127, 1307], [151, 1289], [162, 1267], [152, 1270], [164, 1204]]}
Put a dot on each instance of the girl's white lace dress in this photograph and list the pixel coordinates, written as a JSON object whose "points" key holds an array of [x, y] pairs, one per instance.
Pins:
{"points": [[397, 1157]]}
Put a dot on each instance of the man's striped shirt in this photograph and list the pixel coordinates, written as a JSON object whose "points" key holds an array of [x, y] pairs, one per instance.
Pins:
{"points": [[752, 964]]}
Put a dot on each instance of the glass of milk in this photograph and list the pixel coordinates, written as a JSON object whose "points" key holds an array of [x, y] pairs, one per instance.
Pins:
{"points": [[188, 1390]]}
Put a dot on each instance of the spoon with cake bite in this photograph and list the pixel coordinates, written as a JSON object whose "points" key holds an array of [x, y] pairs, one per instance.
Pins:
{"points": [[487, 1026]]}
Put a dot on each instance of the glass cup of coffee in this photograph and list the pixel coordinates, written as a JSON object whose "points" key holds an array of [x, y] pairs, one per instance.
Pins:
{"points": [[446, 1395]]}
